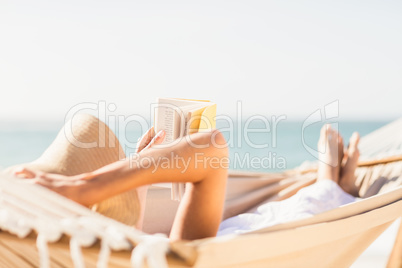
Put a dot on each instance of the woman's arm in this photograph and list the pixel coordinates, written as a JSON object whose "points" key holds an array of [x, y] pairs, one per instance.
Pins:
{"points": [[200, 159]]}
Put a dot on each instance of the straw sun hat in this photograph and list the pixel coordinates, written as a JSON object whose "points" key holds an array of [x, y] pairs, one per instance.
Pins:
{"points": [[85, 144]]}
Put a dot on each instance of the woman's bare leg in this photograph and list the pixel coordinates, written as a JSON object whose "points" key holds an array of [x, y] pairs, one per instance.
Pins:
{"points": [[331, 165], [200, 211], [347, 178], [330, 146], [204, 170]]}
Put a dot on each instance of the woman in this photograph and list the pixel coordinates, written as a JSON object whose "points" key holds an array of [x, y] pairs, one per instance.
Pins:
{"points": [[206, 157], [200, 210]]}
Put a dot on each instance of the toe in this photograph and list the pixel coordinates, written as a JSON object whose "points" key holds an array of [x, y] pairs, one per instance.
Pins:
{"points": [[323, 135], [340, 148], [340, 141], [354, 139], [353, 144], [324, 131]]}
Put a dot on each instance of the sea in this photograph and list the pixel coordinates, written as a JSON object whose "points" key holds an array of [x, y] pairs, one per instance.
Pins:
{"points": [[264, 146], [254, 145]]}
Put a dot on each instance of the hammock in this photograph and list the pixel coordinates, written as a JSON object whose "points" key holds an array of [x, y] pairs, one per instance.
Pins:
{"points": [[41, 228]]}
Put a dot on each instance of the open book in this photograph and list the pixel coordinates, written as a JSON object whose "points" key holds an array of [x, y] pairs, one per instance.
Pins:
{"points": [[181, 117]]}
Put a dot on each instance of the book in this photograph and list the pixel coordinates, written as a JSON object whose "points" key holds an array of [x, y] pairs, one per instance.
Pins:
{"points": [[181, 117]]}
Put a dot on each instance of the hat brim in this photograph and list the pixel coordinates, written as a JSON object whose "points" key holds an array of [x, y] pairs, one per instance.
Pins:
{"points": [[83, 145]]}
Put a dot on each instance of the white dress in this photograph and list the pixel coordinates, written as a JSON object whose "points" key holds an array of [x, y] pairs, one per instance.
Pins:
{"points": [[319, 197]]}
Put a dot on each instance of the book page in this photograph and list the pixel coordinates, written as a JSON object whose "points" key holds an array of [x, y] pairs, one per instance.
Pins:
{"points": [[181, 103], [164, 119], [173, 116], [169, 118]]}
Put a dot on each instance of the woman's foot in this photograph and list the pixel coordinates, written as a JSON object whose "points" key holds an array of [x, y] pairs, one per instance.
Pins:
{"points": [[347, 175], [330, 147]]}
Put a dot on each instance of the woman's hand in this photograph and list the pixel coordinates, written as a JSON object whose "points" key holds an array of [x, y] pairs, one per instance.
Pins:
{"points": [[83, 188], [149, 139], [72, 187]]}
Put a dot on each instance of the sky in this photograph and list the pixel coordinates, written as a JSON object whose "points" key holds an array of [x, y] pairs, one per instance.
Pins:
{"points": [[274, 57]]}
